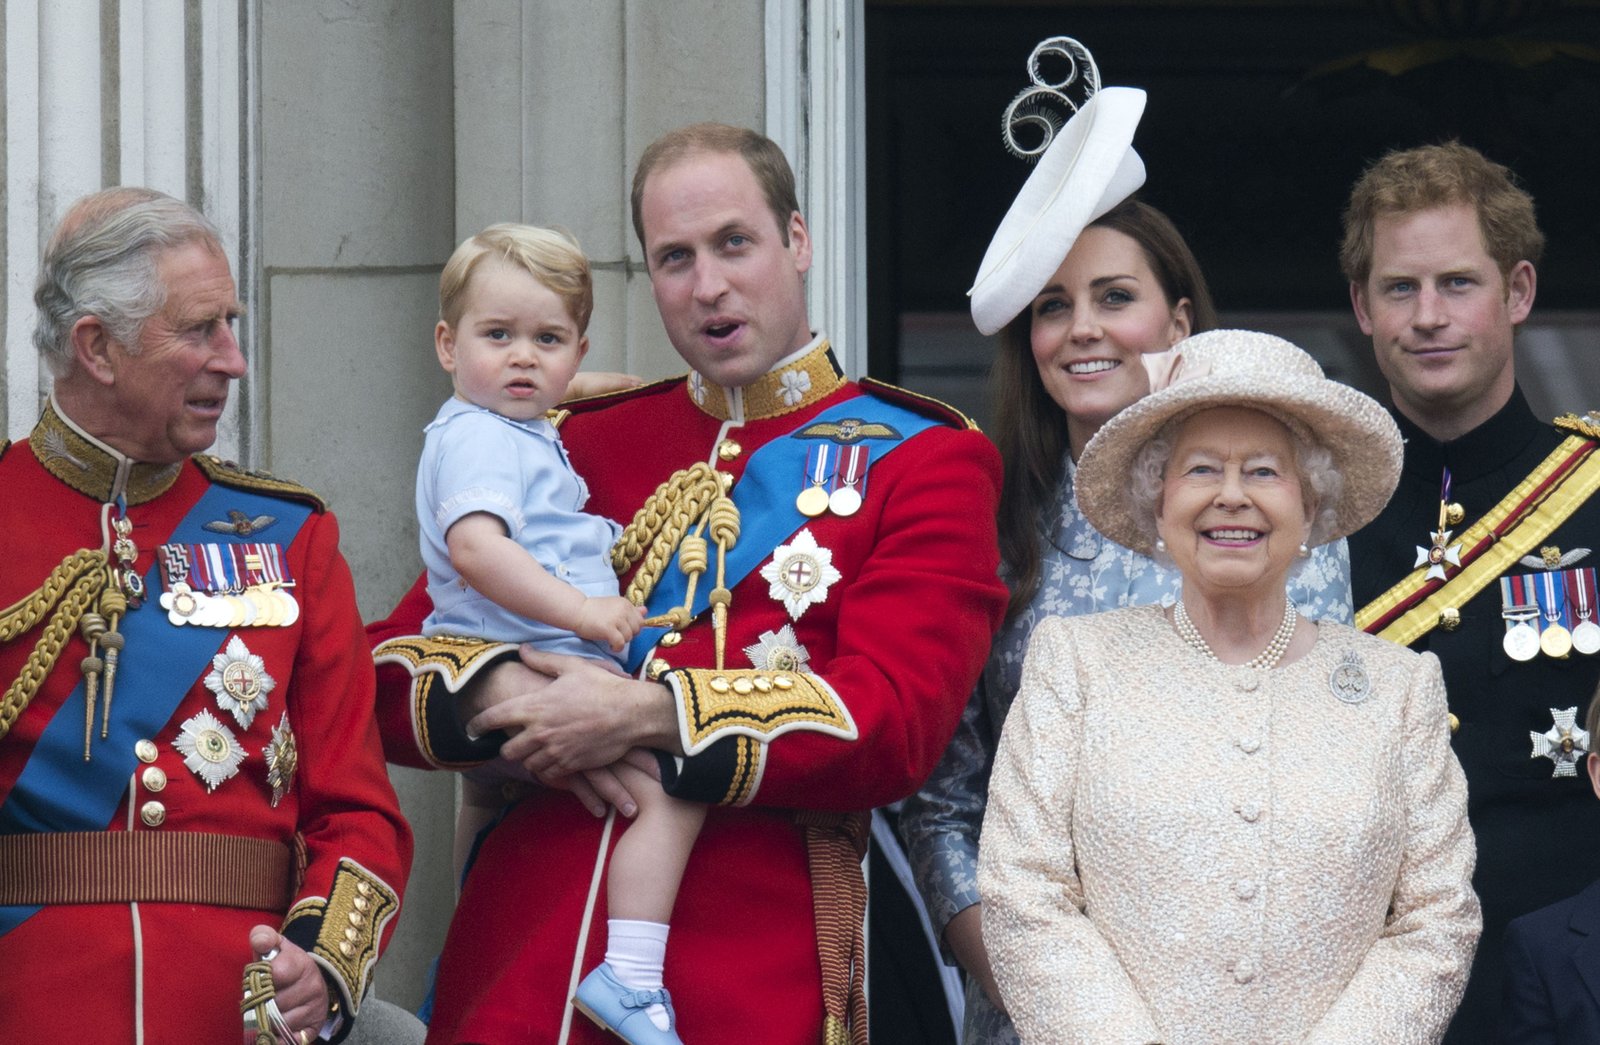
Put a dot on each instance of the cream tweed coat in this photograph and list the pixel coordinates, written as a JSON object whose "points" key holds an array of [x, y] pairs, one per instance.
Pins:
{"points": [[1181, 851]]}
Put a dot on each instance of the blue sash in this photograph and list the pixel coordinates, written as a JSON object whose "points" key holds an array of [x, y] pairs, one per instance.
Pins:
{"points": [[57, 790], [765, 497]]}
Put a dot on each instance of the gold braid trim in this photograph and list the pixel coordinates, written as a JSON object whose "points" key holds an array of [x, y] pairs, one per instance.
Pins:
{"points": [[70, 589], [659, 526]]}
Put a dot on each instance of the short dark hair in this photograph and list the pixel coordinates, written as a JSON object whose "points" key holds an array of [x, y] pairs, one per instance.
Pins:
{"points": [[761, 154]]}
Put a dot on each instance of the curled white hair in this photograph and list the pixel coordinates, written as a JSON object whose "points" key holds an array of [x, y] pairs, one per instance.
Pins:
{"points": [[102, 262], [1321, 482]]}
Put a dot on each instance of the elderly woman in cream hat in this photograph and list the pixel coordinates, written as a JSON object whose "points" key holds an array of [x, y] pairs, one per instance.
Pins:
{"points": [[1080, 281], [1218, 821]]}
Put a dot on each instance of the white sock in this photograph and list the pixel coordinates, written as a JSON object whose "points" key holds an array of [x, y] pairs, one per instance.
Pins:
{"points": [[637, 953]]}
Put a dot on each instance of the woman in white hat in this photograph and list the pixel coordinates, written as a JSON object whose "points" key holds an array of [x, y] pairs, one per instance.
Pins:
{"points": [[1218, 821], [1081, 283]]}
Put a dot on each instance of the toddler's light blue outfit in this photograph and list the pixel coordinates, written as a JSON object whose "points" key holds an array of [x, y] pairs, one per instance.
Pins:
{"points": [[474, 460]]}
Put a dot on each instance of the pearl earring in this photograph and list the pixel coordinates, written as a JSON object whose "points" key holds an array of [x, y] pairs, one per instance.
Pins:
{"points": [[1161, 545], [1305, 552]]}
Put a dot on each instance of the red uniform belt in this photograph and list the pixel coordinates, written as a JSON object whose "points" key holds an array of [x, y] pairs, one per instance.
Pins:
{"points": [[124, 867]]}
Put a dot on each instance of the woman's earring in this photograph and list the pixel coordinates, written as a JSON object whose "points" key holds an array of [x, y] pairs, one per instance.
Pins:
{"points": [[1161, 545], [1305, 552]]}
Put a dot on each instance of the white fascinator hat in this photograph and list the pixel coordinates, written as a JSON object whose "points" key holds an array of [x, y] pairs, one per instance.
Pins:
{"points": [[1088, 166]]}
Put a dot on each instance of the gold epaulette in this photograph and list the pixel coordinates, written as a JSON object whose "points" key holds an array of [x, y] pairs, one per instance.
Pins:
{"points": [[1587, 426], [228, 473], [922, 404]]}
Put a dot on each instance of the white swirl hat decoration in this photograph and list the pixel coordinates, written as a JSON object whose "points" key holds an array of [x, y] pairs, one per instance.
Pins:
{"points": [[1088, 166]]}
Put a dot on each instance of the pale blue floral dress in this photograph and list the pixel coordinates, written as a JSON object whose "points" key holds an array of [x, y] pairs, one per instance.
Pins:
{"points": [[1080, 572]]}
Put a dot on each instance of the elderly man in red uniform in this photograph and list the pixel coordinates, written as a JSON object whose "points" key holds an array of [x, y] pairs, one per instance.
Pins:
{"points": [[818, 561], [190, 775]]}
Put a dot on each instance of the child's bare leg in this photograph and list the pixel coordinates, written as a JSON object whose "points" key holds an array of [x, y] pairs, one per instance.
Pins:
{"points": [[648, 861], [481, 802], [642, 885]]}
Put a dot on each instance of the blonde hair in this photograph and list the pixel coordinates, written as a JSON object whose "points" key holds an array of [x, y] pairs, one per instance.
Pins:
{"points": [[550, 256]]}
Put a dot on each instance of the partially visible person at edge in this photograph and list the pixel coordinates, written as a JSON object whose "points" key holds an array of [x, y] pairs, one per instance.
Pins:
{"points": [[848, 546], [1218, 821], [1127, 284], [194, 780], [1441, 248]]}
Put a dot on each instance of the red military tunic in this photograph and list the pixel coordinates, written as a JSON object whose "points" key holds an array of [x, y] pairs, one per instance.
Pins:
{"points": [[169, 973], [893, 646]]}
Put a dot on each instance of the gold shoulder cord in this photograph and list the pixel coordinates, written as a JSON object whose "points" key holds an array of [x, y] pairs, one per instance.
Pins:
{"points": [[81, 580], [693, 497]]}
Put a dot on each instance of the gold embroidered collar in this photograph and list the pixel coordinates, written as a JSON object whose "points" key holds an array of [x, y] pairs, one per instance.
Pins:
{"points": [[91, 467], [784, 389]]}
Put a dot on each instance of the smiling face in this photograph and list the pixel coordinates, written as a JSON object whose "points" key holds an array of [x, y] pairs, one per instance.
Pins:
{"points": [[730, 289], [1232, 512], [1101, 310], [162, 402], [516, 346], [1441, 318]]}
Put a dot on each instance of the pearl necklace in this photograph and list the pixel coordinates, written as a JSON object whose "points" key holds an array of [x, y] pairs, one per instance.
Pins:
{"points": [[1265, 660]]}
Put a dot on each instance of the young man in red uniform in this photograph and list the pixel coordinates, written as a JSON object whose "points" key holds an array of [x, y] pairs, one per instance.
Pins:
{"points": [[818, 561], [190, 773]]}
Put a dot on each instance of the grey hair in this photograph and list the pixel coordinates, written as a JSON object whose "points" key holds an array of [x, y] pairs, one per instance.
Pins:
{"points": [[102, 262], [1321, 482]]}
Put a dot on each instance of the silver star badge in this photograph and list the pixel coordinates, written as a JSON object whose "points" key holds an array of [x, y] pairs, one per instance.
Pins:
{"points": [[778, 651], [1564, 743], [1441, 554], [209, 749], [800, 574], [239, 679], [283, 758]]}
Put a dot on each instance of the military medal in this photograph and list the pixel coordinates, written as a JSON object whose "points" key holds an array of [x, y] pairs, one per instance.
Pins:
{"points": [[820, 463], [850, 481], [1440, 552], [1555, 640], [1581, 599], [239, 679], [800, 574], [209, 749], [1519, 608], [778, 651], [1564, 743], [283, 758]]}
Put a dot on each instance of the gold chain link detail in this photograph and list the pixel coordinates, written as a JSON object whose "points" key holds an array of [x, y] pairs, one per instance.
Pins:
{"points": [[88, 576]]}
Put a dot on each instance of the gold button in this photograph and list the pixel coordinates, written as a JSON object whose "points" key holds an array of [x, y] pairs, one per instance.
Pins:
{"points": [[763, 684], [352, 935], [347, 949], [783, 682], [727, 481], [1454, 513], [154, 814], [742, 686], [671, 639], [656, 668], [728, 449], [363, 888], [1449, 618], [719, 684], [146, 750], [356, 918], [1455, 723], [154, 778], [363, 904]]}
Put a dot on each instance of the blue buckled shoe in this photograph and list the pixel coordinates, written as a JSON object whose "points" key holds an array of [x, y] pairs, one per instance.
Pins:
{"points": [[621, 1010]]}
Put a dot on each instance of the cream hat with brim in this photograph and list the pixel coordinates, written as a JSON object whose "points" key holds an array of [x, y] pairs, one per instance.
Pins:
{"points": [[1243, 368], [1089, 168]]}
